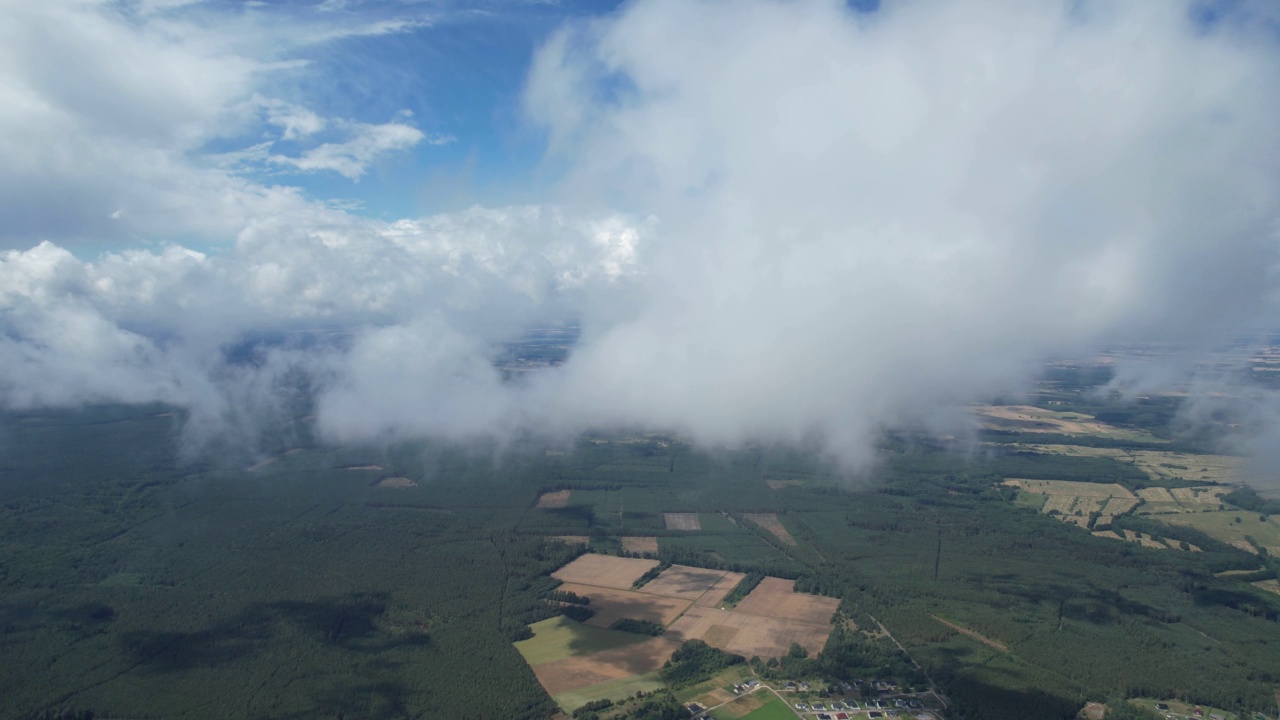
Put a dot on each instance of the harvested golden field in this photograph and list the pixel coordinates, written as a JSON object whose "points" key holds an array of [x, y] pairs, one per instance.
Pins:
{"points": [[778, 598], [1030, 419], [1156, 495], [553, 500], [723, 586], [578, 672], [682, 581], [640, 544], [682, 521], [1157, 464], [604, 571], [747, 634], [611, 605], [770, 522]]}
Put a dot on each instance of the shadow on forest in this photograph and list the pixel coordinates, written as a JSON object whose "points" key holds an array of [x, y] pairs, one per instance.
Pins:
{"points": [[976, 698], [348, 622]]}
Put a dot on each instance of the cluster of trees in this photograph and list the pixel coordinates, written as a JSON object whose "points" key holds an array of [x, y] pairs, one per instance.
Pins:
{"points": [[639, 627], [696, 661]]}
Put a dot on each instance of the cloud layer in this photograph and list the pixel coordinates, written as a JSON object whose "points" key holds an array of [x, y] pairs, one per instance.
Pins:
{"points": [[801, 222]]}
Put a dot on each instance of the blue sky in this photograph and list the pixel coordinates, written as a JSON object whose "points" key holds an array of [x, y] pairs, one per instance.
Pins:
{"points": [[461, 75]]}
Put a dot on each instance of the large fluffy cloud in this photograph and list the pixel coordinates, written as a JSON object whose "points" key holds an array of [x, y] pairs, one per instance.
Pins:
{"points": [[865, 216], [836, 221]]}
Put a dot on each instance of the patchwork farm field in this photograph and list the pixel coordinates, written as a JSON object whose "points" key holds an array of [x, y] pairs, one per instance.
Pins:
{"points": [[1030, 419], [587, 660], [1157, 464]]}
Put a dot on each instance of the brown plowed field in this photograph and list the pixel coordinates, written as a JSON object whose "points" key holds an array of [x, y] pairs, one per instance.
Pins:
{"points": [[747, 635], [682, 521], [552, 500], [682, 581], [579, 672], [777, 598], [611, 605], [640, 544], [604, 571], [770, 522], [723, 587]]}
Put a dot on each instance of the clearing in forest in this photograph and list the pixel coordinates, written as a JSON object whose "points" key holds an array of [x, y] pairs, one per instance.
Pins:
{"points": [[553, 500], [397, 482], [605, 571], [640, 545], [681, 521], [770, 522], [973, 635], [573, 539]]}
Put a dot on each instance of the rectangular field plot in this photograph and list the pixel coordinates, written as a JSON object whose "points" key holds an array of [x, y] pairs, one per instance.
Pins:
{"points": [[723, 586], [604, 571], [560, 637], [611, 690], [682, 521], [640, 544], [611, 605], [745, 634], [584, 671], [685, 582], [778, 598]]}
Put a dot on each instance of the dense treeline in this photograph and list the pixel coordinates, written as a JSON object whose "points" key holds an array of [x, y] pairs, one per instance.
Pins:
{"points": [[743, 588], [640, 627]]}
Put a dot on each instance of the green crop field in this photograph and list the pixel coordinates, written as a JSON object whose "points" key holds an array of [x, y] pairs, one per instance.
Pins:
{"points": [[560, 637], [1231, 526], [773, 710], [614, 690]]}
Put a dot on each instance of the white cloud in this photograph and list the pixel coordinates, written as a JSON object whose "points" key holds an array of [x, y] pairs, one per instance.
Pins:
{"points": [[851, 220], [352, 157], [107, 106]]}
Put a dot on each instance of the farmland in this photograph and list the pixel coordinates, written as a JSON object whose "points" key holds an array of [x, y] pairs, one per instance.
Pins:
{"points": [[591, 661]]}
